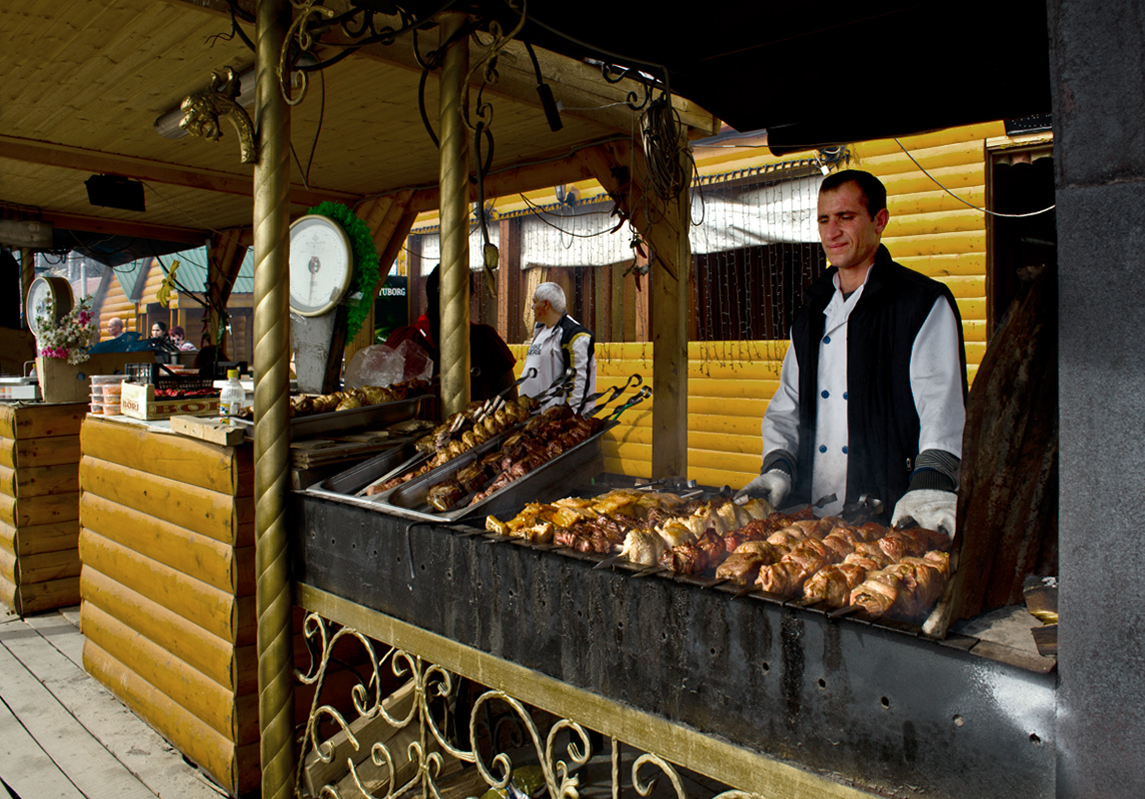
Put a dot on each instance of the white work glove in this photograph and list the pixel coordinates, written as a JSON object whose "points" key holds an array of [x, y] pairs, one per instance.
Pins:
{"points": [[772, 487], [928, 508]]}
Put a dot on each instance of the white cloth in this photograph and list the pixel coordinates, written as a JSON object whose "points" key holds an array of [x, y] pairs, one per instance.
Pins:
{"points": [[929, 508], [544, 355], [935, 379]]}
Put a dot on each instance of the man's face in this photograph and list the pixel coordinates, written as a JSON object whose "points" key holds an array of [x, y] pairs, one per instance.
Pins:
{"points": [[849, 234], [542, 311]]}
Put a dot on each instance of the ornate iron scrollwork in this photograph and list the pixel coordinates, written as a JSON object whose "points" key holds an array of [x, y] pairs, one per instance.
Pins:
{"points": [[201, 112], [426, 751], [429, 741]]}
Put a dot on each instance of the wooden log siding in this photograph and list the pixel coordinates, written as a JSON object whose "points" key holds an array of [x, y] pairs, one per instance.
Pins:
{"points": [[39, 505], [731, 382], [168, 581]]}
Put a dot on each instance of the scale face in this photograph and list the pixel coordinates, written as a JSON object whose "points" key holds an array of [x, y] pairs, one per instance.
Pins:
{"points": [[43, 290], [321, 264]]}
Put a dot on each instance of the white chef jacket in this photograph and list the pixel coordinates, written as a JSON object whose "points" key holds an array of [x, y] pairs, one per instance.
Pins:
{"points": [[935, 380], [544, 354]]}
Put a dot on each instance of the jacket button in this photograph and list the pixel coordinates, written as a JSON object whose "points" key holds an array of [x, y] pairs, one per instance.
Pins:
{"points": [[826, 339], [844, 395], [825, 395], [822, 447], [844, 450]]}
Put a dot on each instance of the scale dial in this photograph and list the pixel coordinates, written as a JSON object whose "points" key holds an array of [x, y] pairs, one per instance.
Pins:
{"points": [[321, 264], [43, 290]]}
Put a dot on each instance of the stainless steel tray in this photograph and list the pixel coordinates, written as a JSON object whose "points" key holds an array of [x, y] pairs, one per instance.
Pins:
{"points": [[552, 480], [355, 478]]}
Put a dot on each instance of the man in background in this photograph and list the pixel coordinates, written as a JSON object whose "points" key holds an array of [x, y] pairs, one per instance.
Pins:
{"points": [[560, 343]]}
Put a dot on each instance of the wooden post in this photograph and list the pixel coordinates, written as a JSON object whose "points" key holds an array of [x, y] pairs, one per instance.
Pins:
{"points": [[225, 253], [664, 226], [272, 405], [509, 302], [669, 280], [454, 361], [27, 275]]}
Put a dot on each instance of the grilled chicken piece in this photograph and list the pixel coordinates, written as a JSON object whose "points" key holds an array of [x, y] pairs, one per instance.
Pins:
{"points": [[874, 552], [813, 528], [898, 545], [773, 553], [832, 584], [921, 585], [643, 547], [788, 538], [758, 508], [878, 593], [444, 496], [838, 547], [810, 555], [743, 565], [675, 533], [784, 579], [867, 564], [687, 558]]}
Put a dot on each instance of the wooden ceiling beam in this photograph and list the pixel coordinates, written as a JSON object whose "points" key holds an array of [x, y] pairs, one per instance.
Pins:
{"points": [[92, 161], [124, 227], [566, 169]]}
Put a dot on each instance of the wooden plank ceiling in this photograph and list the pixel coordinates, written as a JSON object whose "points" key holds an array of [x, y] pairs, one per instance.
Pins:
{"points": [[85, 80]]}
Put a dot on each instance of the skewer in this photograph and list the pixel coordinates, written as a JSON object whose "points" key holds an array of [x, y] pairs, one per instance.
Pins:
{"points": [[846, 610]]}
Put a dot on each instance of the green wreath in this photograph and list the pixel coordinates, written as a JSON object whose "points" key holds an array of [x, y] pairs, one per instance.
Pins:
{"points": [[365, 276]]}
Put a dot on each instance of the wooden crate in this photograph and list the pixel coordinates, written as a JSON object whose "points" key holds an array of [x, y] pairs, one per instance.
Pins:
{"points": [[39, 505], [139, 402]]}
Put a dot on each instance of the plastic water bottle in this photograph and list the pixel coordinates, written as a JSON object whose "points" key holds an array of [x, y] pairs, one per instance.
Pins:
{"points": [[232, 398]]}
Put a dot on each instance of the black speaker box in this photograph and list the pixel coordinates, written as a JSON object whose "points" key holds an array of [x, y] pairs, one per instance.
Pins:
{"points": [[115, 191]]}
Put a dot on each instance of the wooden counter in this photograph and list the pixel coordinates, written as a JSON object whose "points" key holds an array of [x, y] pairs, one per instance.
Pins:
{"points": [[167, 543], [39, 504]]}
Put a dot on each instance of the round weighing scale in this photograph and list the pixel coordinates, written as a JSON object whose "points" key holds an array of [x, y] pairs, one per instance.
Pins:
{"points": [[321, 265], [42, 291]]}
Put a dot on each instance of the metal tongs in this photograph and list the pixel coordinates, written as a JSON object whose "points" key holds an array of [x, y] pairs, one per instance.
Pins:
{"points": [[866, 508], [557, 385], [632, 382], [637, 398]]}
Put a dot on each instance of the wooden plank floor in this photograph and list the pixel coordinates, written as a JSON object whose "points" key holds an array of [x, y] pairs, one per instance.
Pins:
{"points": [[64, 736]]}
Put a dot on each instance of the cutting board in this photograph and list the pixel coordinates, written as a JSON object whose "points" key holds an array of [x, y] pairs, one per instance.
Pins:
{"points": [[207, 428]]}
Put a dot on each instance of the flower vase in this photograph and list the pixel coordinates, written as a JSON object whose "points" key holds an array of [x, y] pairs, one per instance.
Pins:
{"points": [[61, 381]]}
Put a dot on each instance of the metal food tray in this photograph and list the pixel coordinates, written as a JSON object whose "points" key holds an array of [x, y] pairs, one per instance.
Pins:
{"points": [[550, 481], [382, 415], [354, 479], [377, 470]]}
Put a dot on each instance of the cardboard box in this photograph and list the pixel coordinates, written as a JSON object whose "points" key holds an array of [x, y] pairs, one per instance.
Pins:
{"points": [[139, 402]]}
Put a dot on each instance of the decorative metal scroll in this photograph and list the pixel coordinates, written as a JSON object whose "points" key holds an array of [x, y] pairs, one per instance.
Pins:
{"points": [[369, 741], [201, 112]]}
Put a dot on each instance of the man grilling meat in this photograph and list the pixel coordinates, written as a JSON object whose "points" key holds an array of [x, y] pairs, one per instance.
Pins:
{"points": [[872, 396]]}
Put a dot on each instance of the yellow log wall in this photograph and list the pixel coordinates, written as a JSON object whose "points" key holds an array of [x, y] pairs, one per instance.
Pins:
{"points": [[167, 540], [731, 382], [116, 303], [39, 505]]}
